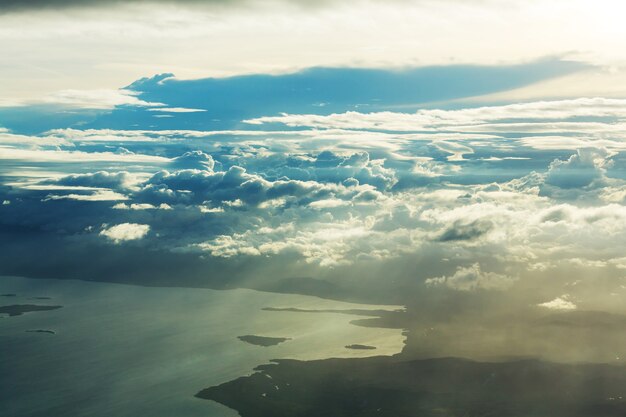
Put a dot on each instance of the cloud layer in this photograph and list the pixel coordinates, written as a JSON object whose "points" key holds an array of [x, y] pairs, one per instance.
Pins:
{"points": [[488, 200]]}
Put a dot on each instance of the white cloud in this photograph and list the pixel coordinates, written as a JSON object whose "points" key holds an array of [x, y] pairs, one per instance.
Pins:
{"points": [[353, 195], [228, 246], [456, 149], [103, 99], [142, 206], [472, 278], [100, 195], [588, 165], [328, 203], [177, 110], [7, 138], [467, 118], [560, 303], [36, 155], [125, 231]]}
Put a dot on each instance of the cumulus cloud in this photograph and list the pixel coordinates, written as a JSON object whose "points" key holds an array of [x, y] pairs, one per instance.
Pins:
{"points": [[472, 278], [585, 167], [193, 160], [125, 231], [335, 197], [559, 303], [196, 186]]}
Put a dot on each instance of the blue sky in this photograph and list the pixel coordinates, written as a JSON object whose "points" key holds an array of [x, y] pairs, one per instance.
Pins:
{"points": [[242, 142], [166, 102]]}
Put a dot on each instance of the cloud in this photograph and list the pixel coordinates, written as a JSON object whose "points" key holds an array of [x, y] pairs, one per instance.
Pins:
{"points": [[10, 153], [456, 149], [230, 99], [125, 232], [87, 99], [177, 110], [16, 5], [460, 231], [193, 160], [328, 203], [196, 186], [319, 200], [472, 278], [582, 169], [100, 195], [144, 206], [560, 303], [463, 119], [10, 139], [100, 179]]}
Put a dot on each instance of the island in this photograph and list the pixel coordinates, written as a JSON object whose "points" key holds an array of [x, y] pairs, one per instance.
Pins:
{"points": [[262, 340], [19, 309], [41, 331], [360, 347]]}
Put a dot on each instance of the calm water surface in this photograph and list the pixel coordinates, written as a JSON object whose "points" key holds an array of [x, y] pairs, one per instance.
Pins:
{"points": [[122, 350]]}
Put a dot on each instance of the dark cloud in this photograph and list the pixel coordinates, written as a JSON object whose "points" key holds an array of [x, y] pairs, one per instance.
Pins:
{"points": [[16, 5], [100, 179], [196, 187], [13, 5], [459, 231]]}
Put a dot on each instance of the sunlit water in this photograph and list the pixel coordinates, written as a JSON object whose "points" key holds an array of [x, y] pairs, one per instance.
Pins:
{"points": [[122, 350]]}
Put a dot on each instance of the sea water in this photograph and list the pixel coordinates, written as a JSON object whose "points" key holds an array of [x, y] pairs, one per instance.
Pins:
{"points": [[130, 351]]}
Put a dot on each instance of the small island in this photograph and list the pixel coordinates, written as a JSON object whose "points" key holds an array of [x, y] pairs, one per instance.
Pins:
{"points": [[361, 347], [41, 331], [262, 340], [19, 309]]}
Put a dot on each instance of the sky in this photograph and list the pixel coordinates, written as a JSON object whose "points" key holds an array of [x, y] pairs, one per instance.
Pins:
{"points": [[66, 45], [399, 150]]}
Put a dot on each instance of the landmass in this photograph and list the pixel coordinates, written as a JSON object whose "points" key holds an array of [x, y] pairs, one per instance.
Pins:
{"points": [[8, 295], [391, 319], [262, 340], [19, 309], [388, 387]]}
